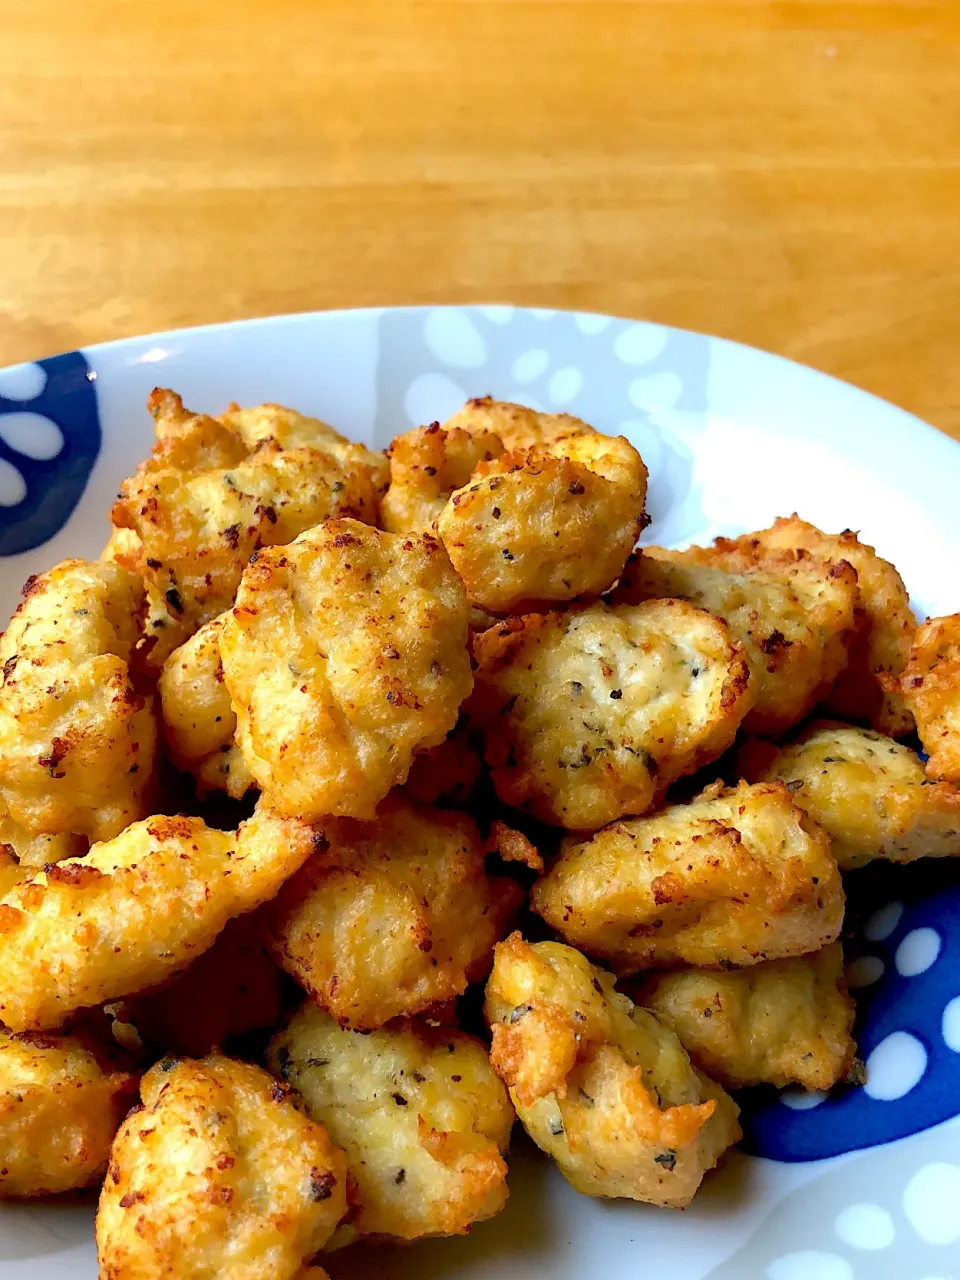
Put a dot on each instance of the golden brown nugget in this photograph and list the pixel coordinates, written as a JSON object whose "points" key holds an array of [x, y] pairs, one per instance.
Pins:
{"points": [[62, 1099], [795, 630], [739, 876], [211, 495], [879, 649], [420, 1113], [869, 793], [77, 737], [198, 719], [345, 656], [599, 1084], [516, 425], [930, 684], [132, 913], [592, 713], [229, 991], [426, 466], [218, 1174], [781, 1022], [391, 917], [545, 525]]}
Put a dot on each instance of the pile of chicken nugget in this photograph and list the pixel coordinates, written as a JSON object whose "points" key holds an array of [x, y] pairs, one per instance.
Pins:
{"points": [[347, 815]]}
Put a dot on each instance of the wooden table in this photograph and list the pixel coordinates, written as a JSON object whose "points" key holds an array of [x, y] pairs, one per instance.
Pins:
{"points": [[787, 174]]}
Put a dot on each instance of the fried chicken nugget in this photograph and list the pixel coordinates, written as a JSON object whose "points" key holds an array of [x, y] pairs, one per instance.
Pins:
{"points": [[516, 425], [426, 466], [930, 684], [544, 525], [218, 1176], [61, 1102], [132, 913], [420, 1113], [880, 647], [212, 494], [781, 1022], [77, 738], [346, 654], [199, 722], [600, 1085], [390, 917], [592, 713], [795, 630], [739, 876], [869, 793], [229, 991]]}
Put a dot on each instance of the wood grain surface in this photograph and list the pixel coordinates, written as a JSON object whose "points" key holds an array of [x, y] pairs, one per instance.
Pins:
{"points": [[787, 174]]}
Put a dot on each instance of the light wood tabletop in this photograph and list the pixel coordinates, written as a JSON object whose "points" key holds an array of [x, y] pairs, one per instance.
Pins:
{"points": [[786, 174]]}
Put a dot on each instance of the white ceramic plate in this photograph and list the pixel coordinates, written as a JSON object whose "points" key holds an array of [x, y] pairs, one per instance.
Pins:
{"points": [[862, 1186]]}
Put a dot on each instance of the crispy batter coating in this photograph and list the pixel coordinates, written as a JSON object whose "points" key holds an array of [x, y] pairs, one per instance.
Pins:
{"points": [[447, 773], [739, 876], [132, 913], [214, 492], [516, 425], [420, 1113], [880, 647], [229, 991], [930, 683], [390, 917], [77, 739], [61, 1102], [218, 1174], [198, 719], [795, 630], [592, 713], [599, 1084], [345, 655], [544, 525], [123, 547], [426, 465], [781, 1022], [869, 793]]}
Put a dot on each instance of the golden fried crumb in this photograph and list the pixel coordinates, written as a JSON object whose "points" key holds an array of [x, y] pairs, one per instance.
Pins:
{"points": [[781, 1022], [739, 876], [592, 713], [62, 1098], [599, 1084], [420, 1113], [346, 655], [390, 917], [77, 738], [218, 1173]]}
